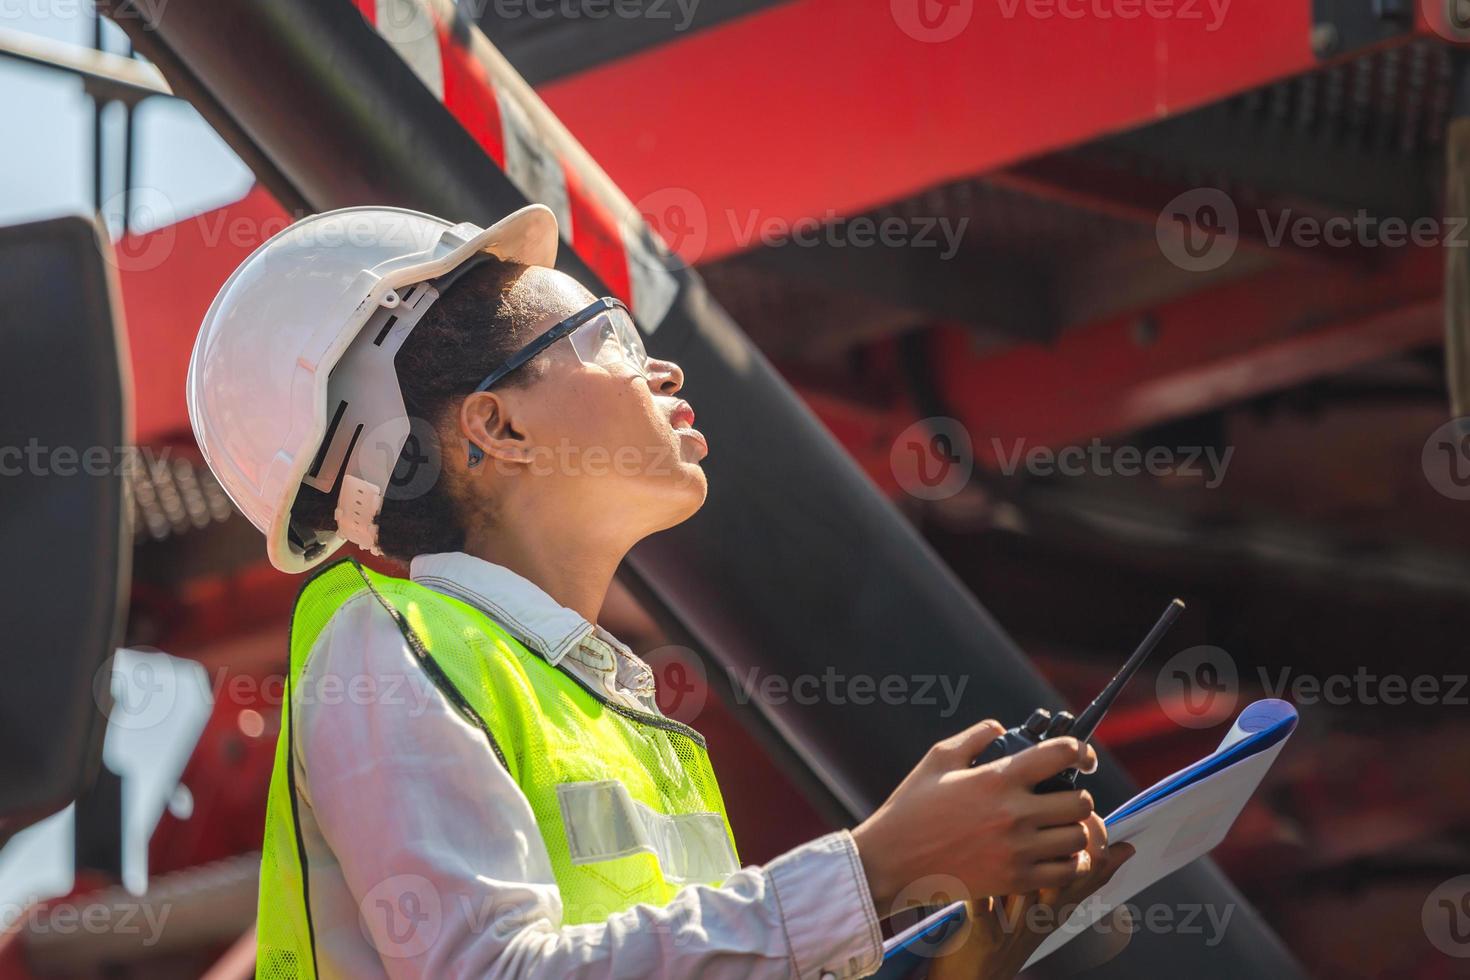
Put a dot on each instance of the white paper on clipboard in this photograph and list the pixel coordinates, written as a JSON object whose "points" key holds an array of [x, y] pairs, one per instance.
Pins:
{"points": [[1178, 827]]}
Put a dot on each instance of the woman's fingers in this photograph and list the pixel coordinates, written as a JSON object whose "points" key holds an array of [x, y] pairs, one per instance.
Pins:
{"points": [[1057, 843], [1102, 871], [1097, 835], [1059, 873], [1051, 757], [1060, 809]]}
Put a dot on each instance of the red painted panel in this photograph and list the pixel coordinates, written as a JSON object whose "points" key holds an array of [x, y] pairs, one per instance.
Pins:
{"points": [[597, 238], [470, 97], [1267, 332], [168, 278], [830, 104]]}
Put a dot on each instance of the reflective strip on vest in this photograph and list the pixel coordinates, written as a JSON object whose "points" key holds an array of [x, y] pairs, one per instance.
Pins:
{"points": [[604, 822]]}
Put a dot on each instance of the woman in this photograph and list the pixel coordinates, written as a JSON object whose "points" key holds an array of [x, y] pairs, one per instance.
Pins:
{"points": [[473, 779]]}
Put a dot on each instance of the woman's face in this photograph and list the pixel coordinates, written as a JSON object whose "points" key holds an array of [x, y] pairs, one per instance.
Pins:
{"points": [[599, 440]]}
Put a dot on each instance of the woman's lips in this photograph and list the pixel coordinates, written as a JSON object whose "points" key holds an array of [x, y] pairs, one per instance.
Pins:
{"points": [[682, 419]]}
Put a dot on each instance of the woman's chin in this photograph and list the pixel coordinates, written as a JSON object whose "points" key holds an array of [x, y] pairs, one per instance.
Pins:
{"points": [[686, 494]]}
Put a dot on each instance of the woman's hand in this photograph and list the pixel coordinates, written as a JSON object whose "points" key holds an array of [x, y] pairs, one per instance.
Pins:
{"points": [[1003, 932], [983, 826]]}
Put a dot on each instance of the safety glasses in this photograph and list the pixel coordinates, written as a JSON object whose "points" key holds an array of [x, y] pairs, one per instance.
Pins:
{"points": [[601, 333]]}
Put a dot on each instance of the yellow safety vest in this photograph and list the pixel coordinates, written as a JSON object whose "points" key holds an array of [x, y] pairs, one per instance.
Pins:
{"points": [[626, 801]]}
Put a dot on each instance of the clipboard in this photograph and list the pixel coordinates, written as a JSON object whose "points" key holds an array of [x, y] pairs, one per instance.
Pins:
{"points": [[1181, 817]]}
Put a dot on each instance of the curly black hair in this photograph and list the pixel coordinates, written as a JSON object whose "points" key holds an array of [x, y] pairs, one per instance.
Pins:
{"points": [[468, 332]]}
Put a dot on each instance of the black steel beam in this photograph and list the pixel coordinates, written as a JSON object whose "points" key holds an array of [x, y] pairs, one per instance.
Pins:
{"points": [[797, 566]]}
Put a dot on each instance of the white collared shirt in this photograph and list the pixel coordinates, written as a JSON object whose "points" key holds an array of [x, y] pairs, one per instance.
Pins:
{"points": [[424, 859]]}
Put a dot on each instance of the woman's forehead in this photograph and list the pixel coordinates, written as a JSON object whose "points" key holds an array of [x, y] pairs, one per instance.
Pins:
{"points": [[549, 294]]}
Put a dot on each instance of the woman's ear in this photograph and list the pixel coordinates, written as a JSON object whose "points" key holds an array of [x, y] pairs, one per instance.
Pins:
{"points": [[488, 421]]}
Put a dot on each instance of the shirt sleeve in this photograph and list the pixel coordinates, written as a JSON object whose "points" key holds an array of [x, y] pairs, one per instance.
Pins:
{"points": [[440, 850]]}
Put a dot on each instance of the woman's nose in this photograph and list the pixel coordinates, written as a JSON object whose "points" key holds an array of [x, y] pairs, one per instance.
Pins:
{"points": [[664, 377]]}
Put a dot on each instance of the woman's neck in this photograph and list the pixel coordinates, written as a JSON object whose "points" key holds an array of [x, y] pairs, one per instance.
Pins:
{"points": [[574, 568]]}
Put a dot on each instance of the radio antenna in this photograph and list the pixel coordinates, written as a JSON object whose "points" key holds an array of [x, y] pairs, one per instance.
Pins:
{"points": [[1087, 722]]}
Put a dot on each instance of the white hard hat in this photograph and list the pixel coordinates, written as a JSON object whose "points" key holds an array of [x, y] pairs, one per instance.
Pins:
{"points": [[283, 357]]}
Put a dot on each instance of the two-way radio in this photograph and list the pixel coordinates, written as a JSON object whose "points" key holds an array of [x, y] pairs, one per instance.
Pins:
{"points": [[1043, 725]]}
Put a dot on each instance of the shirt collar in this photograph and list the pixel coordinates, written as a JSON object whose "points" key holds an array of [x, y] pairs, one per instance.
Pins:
{"points": [[516, 603]]}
